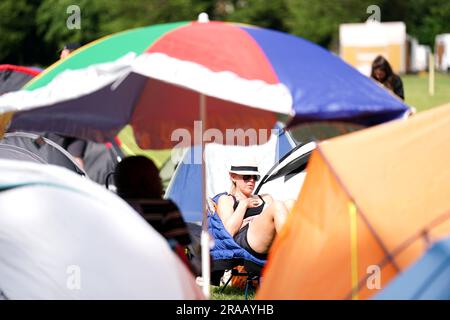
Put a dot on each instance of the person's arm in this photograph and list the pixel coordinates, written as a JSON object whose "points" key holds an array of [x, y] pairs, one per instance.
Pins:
{"points": [[79, 161], [231, 219], [77, 148]]}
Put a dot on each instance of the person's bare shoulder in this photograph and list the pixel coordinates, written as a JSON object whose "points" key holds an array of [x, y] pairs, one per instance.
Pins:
{"points": [[225, 207], [225, 199]]}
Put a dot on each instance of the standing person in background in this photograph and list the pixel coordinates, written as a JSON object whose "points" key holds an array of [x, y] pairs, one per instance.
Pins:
{"points": [[382, 72]]}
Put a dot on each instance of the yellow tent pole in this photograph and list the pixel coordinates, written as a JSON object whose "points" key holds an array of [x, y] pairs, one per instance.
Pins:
{"points": [[354, 249]]}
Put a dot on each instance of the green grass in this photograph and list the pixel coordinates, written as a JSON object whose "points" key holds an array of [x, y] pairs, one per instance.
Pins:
{"points": [[230, 293], [416, 91]]}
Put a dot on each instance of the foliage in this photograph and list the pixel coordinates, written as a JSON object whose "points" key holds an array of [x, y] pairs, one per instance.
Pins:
{"points": [[32, 31], [17, 20]]}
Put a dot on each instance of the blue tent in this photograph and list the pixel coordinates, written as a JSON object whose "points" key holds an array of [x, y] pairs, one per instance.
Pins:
{"points": [[427, 279], [184, 188]]}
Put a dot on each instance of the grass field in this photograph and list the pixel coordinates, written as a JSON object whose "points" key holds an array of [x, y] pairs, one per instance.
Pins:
{"points": [[416, 91], [230, 293]]}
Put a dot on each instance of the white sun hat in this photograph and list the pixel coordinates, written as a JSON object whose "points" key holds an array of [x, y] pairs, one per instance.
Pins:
{"points": [[244, 167]]}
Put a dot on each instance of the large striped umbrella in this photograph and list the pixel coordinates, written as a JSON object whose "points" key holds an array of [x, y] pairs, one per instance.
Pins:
{"points": [[226, 62]]}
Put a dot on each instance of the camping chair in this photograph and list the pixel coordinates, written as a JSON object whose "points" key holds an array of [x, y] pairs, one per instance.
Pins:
{"points": [[227, 254]]}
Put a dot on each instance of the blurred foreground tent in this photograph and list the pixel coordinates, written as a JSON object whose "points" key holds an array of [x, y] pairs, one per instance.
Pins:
{"points": [[35, 148], [64, 237], [427, 279], [369, 207]]}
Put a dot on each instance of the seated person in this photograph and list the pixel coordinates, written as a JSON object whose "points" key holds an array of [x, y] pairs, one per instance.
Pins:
{"points": [[253, 221], [138, 182]]}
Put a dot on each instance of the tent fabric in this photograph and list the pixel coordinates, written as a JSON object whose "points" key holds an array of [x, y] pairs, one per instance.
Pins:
{"points": [[427, 279], [285, 179], [64, 237], [101, 159], [43, 148], [13, 77], [368, 199], [12, 152]]}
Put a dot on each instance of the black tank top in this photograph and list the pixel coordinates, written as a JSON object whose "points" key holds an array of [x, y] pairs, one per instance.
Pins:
{"points": [[250, 211]]}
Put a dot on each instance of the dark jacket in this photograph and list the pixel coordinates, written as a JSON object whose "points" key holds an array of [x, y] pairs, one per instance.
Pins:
{"points": [[397, 87]]}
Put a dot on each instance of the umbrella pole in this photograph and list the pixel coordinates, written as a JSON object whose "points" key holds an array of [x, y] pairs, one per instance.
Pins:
{"points": [[206, 273]]}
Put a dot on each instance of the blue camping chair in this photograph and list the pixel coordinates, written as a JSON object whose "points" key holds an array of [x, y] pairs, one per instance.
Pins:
{"points": [[227, 254]]}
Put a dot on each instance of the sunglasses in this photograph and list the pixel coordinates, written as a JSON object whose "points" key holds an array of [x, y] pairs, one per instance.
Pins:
{"points": [[248, 177]]}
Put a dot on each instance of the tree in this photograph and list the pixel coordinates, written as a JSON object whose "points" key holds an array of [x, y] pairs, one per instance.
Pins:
{"points": [[123, 15], [104, 17], [262, 13], [318, 21], [32, 31], [426, 19], [17, 32], [52, 22]]}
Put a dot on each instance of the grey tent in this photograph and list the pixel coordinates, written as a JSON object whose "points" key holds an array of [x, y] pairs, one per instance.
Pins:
{"points": [[100, 159], [11, 152], [26, 146]]}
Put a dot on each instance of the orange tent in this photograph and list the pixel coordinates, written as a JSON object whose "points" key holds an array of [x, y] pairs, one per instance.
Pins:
{"points": [[370, 205]]}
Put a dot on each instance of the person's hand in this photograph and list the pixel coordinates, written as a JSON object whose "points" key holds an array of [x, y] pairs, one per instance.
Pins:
{"points": [[253, 202], [80, 162]]}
